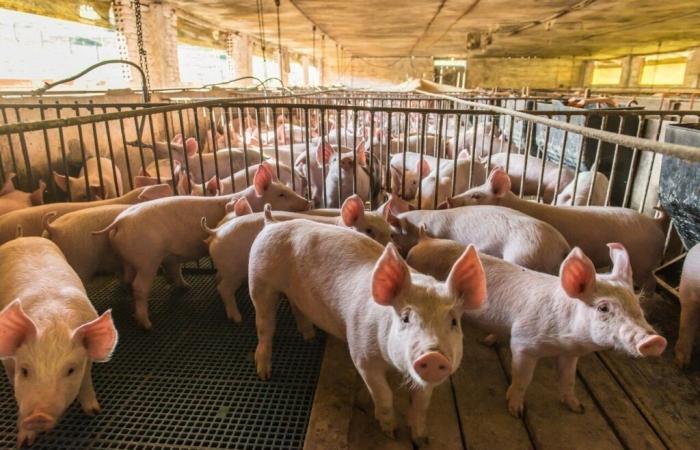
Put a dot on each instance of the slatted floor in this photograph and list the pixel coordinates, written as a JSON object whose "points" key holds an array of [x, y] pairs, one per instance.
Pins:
{"points": [[629, 403], [190, 383]]}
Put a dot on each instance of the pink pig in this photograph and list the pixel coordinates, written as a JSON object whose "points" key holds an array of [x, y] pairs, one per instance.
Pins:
{"points": [[12, 199], [50, 335]]}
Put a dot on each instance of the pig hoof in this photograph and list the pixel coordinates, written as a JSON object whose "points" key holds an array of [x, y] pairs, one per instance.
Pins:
{"points": [[264, 373], [490, 340], [574, 405], [145, 324], [91, 408], [682, 361], [234, 317], [25, 437], [388, 429], [308, 335], [515, 404], [421, 442]]}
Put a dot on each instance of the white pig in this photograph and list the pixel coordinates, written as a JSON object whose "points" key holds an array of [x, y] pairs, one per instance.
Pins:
{"points": [[167, 232], [30, 220], [545, 316], [109, 186], [496, 231], [690, 306], [588, 227], [241, 180], [584, 185], [466, 174], [341, 174], [391, 317], [415, 171], [86, 253], [12, 199], [50, 336], [229, 245]]}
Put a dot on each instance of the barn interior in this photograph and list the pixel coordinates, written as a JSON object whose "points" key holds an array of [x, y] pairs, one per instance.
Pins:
{"points": [[526, 129]]}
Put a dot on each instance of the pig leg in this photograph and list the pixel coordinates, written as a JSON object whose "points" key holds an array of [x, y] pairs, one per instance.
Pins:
{"points": [[10, 370], [417, 411], [383, 398], [304, 325], [265, 300], [173, 270], [86, 395], [522, 368], [141, 288], [227, 287], [690, 319], [24, 436], [129, 274], [567, 379], [490, 340]]}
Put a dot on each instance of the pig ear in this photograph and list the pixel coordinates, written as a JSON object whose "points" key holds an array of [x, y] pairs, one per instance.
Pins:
{"points": [[577, 275], [99, 337], [464, 154], [423, 168], [37, 196], [262, 179], [8, 186], [622, 269], [361, 154], [242, 207], [154, 192], [500, 182], [353, 209], [272, 170], [390, 216], [324, 153], [191, 147], [390, 277], [15, 329], [467, 280], [213, 185], [61, 181]]}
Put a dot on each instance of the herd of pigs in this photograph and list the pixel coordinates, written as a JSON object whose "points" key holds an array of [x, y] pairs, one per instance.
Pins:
{"points": [[396, 283]]}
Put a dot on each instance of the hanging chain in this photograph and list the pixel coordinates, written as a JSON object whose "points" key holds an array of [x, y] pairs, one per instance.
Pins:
{"points": [[323, 59], [337, 60], [143, 57], [313, 55], [261, 30], [279, 36]]}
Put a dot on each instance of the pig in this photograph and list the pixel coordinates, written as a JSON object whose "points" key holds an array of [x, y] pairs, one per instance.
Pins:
{"points": [[86, 253], [229, 245], [545, 316], [598, 189], [51, 335], [690, 307], [588, 227], [108, 186], [313, 169], [167, 231], [496, 231], [159, 172], [467, 173], [203, 166], [415, 171], [343, 173], [354, 289], [549, 186], [30, 220], [12, 199], [240, 180]]}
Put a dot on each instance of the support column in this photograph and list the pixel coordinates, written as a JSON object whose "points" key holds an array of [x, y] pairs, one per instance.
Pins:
{"points": [[241, 57], [305, 68], [692, 70], [284, 65]]}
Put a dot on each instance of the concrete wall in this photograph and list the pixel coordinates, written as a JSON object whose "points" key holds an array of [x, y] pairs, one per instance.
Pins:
{"points": [[524, 72]]}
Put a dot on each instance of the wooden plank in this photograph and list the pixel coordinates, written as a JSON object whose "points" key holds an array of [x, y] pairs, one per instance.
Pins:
{"points": [[329, 423], [552, 425], [630, 425], [443, 422], [480, 391]]}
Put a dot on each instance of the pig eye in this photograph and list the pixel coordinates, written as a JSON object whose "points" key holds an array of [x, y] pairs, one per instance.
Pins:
{"points": [[476, 196], [406, 317], [282, 195], [71, 371], [604, 308], [25, 372], [369, 232], [454, 323]]}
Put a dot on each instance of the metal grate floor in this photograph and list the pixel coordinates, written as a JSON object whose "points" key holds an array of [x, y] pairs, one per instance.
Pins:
{"points": [[191, 382]]}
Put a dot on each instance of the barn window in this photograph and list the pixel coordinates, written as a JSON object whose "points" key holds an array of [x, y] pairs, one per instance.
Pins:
{"points": [[37, 48], [606, 73], [664, 70], [265, 69], [314, 76], [201, 65], [296, 74]]}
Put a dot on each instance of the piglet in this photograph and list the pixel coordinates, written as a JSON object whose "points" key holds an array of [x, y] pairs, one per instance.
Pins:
{"points": [[11, 199], [464, 174], [167, 232], [109, 185], [552, 182], [345, 173], [86, 253], [391, 317], [588, 183], [50, 335], [29, 221], [496, 231], [545, 316], [588, 227], [690, 307], [229, 245]]}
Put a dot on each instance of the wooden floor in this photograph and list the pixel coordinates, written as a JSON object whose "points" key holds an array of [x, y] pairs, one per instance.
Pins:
{"points": [[629, 403]]}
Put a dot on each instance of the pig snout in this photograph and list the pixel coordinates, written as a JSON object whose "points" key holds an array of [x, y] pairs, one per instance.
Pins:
{"points": [[432, 367], [39, 422], [653, 345]]}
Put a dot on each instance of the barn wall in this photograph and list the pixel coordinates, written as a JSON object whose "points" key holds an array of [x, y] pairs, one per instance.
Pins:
{"points": [[524, 72], [373, 72]]}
